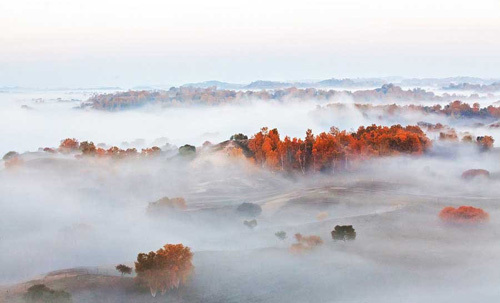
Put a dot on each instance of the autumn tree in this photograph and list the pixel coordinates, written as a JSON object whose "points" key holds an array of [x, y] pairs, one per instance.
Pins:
{"points": [[473, 173], [485, 143], [463, 214], [69, 145], [87, 148], [124, 269], [305, 243], [167, 268]]}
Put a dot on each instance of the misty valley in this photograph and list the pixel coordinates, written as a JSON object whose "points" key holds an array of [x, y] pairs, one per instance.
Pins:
{"points": [[341, 190]]}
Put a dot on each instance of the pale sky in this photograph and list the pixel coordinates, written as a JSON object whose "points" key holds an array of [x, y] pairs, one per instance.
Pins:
{"points": [[54, 43]]}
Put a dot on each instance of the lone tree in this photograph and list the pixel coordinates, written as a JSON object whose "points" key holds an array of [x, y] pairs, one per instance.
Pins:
{"points": [[239, 136], [280, 235], [343, 232], [124, 269], [187, 150], [164, 269], [250, 224], [40, 293], [249, 209]]}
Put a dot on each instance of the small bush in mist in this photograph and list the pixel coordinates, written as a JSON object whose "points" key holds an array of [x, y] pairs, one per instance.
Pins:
{"points": [[251, 223], [249, 209], [239, 136], [165, 204], [280, 235], [305, 243], [343, 233], [187, 150], [40, 293], [473, 173], [12, 159], [485, 143], [124, 269], [167, 268], [463, 214]]}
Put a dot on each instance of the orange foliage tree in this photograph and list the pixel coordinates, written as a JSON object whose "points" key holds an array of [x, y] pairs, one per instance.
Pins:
{"points": [[463, 214], [305, 243], [69, 145], [167, 268], [333, 150]]}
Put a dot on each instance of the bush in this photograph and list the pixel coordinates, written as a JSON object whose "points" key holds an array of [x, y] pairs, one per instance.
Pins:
{"points": [[239, 136], [344, 232], [187, 150], [463, 214], [249, 209], [124, 269], [165, 204], [42, 294], [473, 173], [305, 243], [281, 235], [251, 223]]}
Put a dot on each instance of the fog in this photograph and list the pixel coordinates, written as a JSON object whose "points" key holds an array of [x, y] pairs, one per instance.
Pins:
{"points": [[61, 212]]}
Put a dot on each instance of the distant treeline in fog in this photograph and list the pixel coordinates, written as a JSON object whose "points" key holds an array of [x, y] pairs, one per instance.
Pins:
{"points": [[213, 96]]}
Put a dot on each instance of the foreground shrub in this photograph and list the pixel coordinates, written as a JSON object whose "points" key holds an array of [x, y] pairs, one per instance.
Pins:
{"points": [[343, 232], [305, 243], [250, 224], [167, 268], [463, 214], [40, 293], [473, 173]]}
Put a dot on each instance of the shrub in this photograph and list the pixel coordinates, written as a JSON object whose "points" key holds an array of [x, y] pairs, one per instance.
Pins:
{"points": [[42, 294], [343, 232], [249, 209], [463, 214]]}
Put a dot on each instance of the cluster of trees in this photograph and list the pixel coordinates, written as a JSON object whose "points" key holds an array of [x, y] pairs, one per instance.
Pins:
{"points": [[456, 109], [167, 268], [305, 243], [333, 150], [88, 148], [483, 88], [40, 293], [463, 214], [213, 96], [447, 133]]}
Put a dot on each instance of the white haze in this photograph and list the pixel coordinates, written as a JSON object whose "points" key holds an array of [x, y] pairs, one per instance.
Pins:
{"points": [[61, 212]]}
